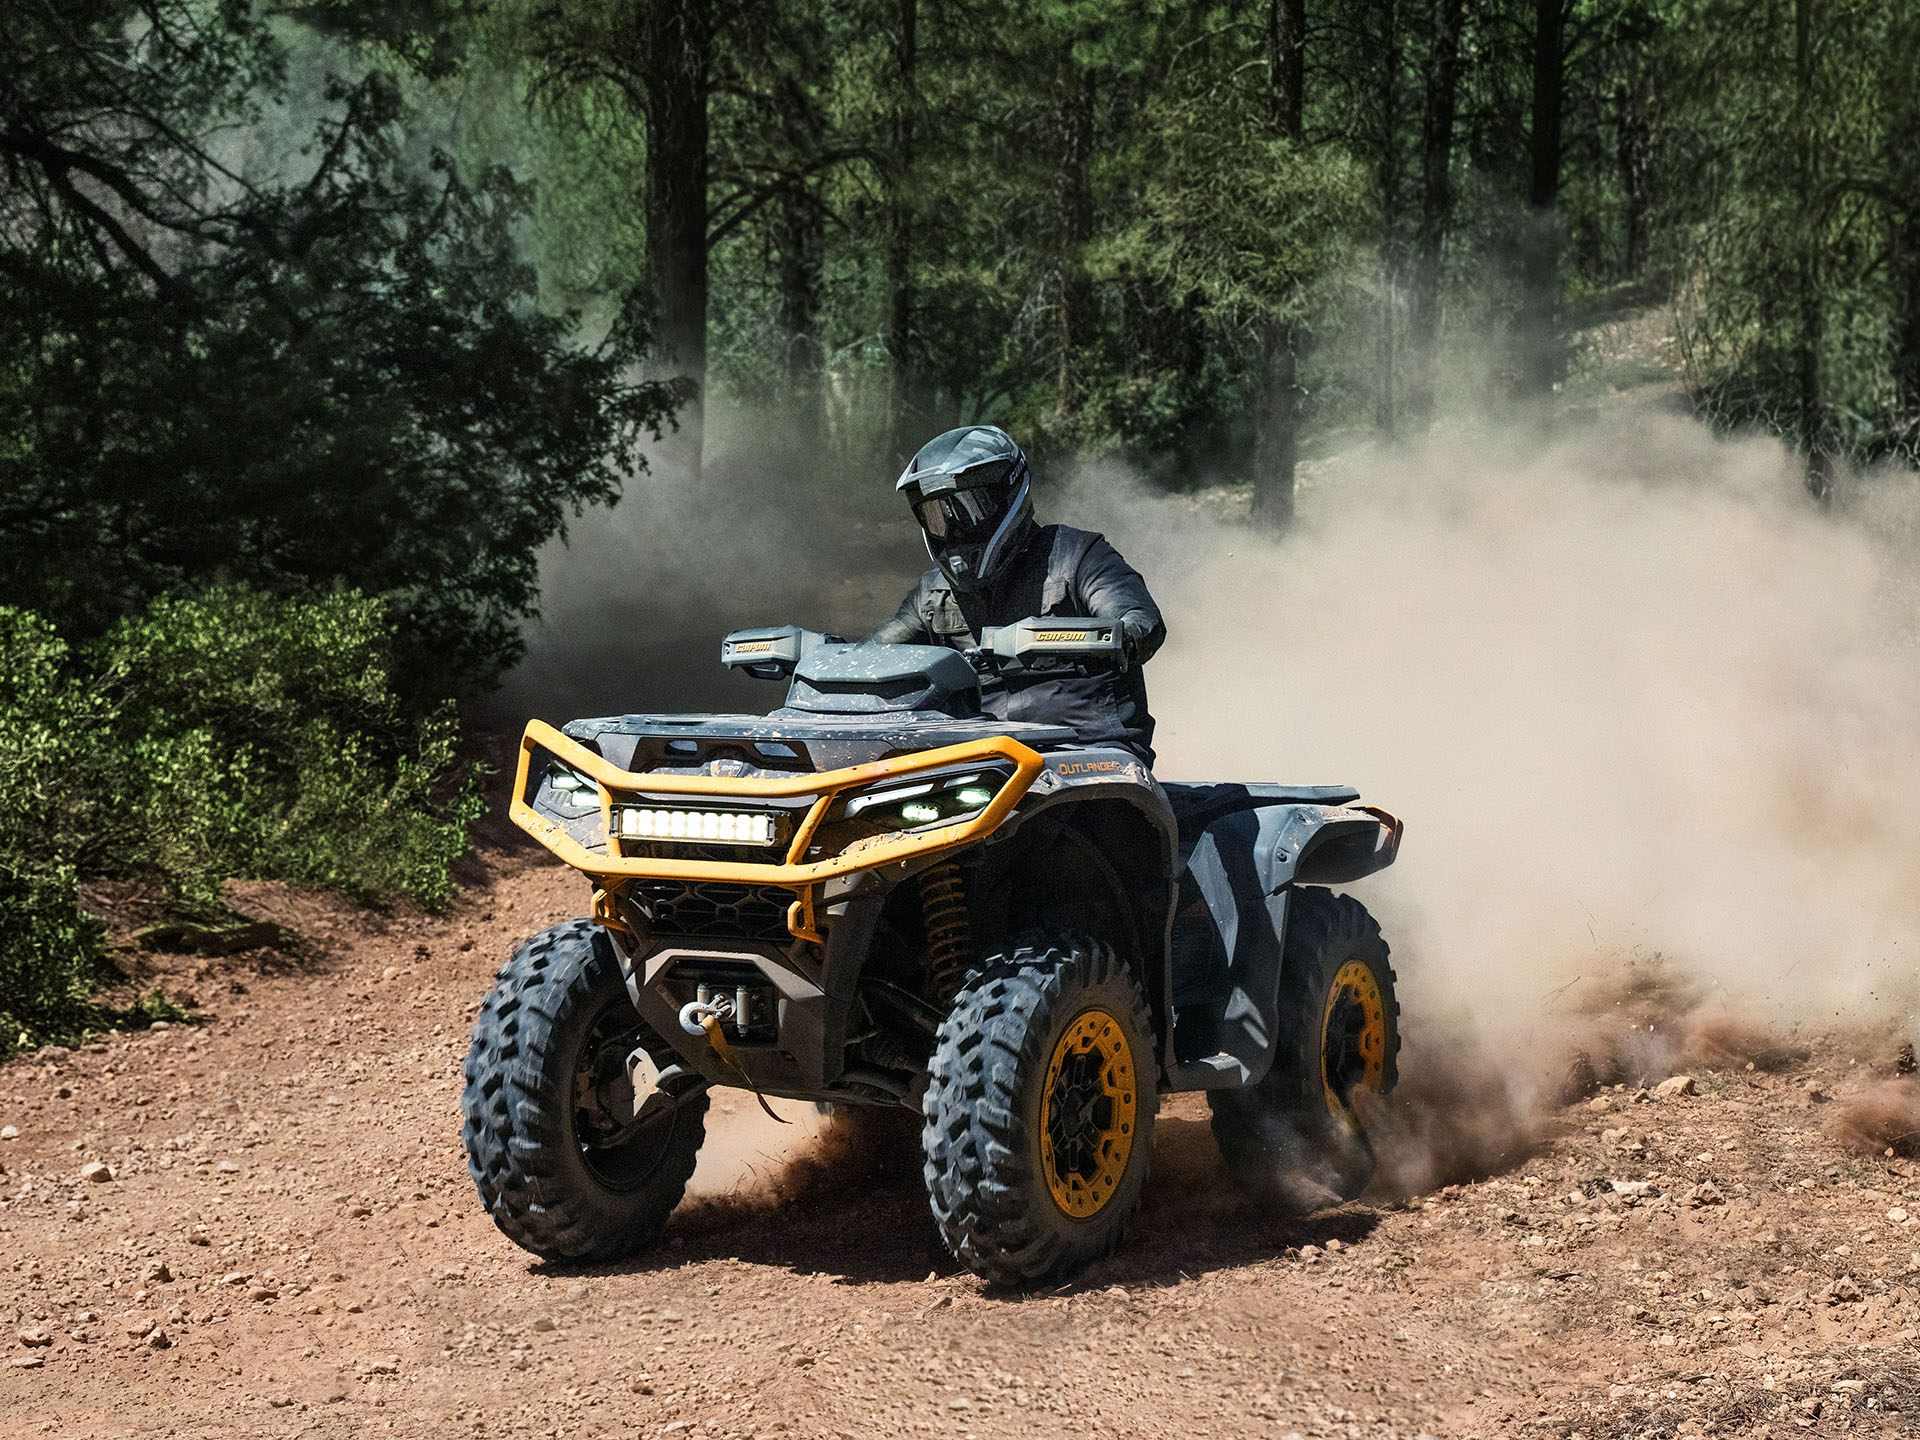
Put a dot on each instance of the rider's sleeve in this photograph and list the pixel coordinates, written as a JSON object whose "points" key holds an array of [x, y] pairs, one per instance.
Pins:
{"points": [[1113, 590], [908, 625]]}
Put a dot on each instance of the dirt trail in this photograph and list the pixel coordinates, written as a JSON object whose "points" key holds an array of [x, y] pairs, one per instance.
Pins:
{"points": [[288, 1245]]}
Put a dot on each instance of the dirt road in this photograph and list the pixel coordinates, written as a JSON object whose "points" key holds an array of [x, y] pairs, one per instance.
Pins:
{"points": [[283, 1241]]}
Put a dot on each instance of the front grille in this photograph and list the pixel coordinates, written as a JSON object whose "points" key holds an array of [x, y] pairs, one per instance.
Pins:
{"points": [[714, 909], [678, 850]]}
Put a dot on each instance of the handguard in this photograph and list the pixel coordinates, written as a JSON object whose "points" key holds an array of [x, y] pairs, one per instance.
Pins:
{"points": [[769, 652], [1046, 638]]}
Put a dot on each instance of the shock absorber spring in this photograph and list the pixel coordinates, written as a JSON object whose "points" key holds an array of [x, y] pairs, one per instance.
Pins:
{"points": [[943, 903]]}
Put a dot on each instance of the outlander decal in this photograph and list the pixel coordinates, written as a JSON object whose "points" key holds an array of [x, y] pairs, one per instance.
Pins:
{"points": [[1090, 767]]}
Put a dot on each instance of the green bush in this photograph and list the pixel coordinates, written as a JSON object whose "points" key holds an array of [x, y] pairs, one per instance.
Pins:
{"points": [[50, 949], [271, 742], [230, 733], [50, 953]]}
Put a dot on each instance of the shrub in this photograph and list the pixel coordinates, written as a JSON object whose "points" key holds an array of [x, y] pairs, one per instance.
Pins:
{"points": [[51, 953], [272, 743], [50, 949], [229, 733]]}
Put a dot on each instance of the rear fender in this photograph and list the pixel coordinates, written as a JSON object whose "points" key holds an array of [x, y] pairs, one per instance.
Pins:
{"points": [[1328, 845]]}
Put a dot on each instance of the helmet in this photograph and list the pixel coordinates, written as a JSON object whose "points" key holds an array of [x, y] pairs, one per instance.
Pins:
{"points": [[969, 490]]}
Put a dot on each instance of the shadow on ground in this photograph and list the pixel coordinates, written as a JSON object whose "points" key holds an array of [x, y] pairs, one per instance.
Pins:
{"points": [[855, 1209]]}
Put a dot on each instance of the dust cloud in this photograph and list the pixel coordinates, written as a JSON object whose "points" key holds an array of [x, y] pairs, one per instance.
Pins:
{"points": [[1645, 709], [1630, 690], [747, 1153], [634, 600], [1884, 1120]]}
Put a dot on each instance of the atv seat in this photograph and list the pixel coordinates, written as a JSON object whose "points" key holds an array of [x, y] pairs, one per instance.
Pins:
{"points": [[1197, 805]]}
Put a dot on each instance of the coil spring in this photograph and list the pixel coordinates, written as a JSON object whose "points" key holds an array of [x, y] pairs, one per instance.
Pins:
{"points": [[943, 903]]}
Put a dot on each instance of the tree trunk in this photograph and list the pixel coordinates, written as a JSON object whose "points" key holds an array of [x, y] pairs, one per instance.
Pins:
{"points": [[1073, 200], [1436, 206], [1073, 316], [903, 404], [1287, 66], [1903, 166], [800, 242], [1906, 325], [1541, 353], [1277, 441], [1277, 450], [1385, 350], [1634, 156], [1807, 340], [677, 39]]}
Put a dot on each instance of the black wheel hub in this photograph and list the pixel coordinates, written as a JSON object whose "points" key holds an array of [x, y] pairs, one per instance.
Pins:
{"points": [[1343, 1060], [1079, 1113], [621, 1150]]}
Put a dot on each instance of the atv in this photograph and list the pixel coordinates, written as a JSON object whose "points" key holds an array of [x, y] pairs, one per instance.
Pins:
{"points": [[878, 895]]}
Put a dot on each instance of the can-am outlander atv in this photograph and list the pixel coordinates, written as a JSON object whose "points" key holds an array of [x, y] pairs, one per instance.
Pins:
{"points": [[878, 895]]}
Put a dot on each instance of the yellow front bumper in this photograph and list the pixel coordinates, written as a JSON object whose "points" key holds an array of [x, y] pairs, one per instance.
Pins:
{"points": [[793, 871]]}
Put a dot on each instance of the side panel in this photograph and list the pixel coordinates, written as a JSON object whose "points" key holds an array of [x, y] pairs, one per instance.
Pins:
{"points": [[1231, 924]]}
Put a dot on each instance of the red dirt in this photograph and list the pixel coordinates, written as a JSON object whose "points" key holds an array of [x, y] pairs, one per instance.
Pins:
{"points": [[294, 1164]]}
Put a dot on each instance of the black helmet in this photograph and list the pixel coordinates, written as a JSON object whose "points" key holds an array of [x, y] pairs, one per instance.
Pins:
{"points": [[969, 489]]}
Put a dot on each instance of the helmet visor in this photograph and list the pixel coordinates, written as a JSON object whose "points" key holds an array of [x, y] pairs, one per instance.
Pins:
{"points": [[962, 517]]}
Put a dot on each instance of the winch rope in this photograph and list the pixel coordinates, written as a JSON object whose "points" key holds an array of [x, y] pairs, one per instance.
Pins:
{"points": [[714, 1025]]}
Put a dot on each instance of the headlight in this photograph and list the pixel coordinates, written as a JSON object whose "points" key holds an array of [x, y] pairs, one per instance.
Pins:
{"points": [[695, 827], [572, 790], [939, 801]]}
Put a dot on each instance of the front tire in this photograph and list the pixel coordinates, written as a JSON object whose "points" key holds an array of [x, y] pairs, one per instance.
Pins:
{"points": [[1294, 1141], [1039, 1111], [561, 1161]]}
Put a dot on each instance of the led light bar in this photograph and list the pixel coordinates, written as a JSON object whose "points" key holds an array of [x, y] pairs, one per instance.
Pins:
{"points": [[696, 827]]}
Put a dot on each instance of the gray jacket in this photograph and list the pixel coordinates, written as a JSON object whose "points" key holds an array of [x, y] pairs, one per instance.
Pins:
{"points": [[1058, 571]]}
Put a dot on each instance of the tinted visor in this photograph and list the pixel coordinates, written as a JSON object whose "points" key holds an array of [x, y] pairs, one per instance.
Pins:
{"points": [[962, 517]]}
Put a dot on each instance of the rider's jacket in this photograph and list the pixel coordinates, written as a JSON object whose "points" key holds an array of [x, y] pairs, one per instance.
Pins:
{"points": [[1059, 571]]}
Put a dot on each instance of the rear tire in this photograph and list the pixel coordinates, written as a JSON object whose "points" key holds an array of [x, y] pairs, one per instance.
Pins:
{"points": [[1039, 1111], [1294, 1142], [561, 1169]]}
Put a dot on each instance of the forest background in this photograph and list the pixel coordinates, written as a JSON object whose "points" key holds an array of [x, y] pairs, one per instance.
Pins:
{"points": [[323, 321]]}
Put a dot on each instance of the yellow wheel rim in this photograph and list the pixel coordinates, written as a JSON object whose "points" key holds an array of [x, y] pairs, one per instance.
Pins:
{"points": [[1353, 1037], [1088, 1109]]}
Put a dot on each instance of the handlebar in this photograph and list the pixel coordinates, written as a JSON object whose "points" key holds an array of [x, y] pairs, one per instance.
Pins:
{"points": [[1043, 642]]}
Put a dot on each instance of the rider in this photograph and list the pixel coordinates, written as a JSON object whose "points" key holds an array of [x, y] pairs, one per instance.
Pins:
{"points": [[993, 565]]}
